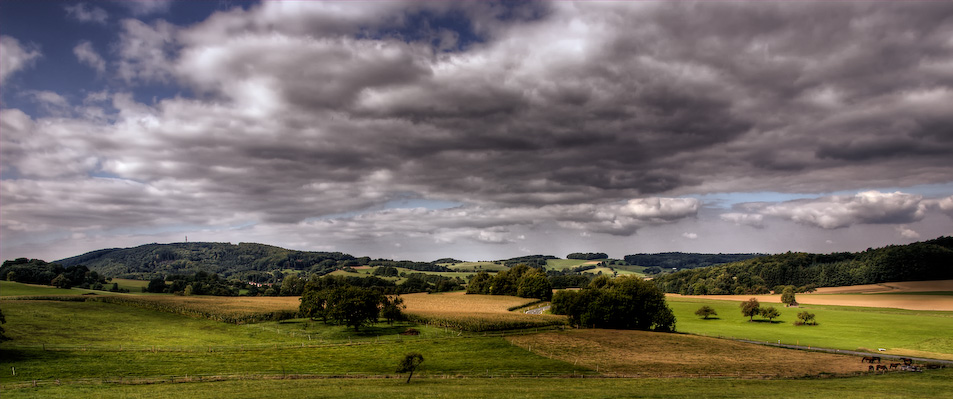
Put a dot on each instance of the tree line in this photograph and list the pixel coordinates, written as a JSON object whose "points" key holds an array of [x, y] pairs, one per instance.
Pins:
{"points": [[928, 260], [36, 271]]}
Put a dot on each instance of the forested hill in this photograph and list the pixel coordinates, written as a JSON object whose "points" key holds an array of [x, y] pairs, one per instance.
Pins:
{"points": [[681, 260], [928, 260], [247, 261]]}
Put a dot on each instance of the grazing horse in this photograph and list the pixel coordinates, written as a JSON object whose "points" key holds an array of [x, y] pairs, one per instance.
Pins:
{"points": [[906, 361], [877, 358], [895, 365], [881, 367], [870, 368], [867, 359]]}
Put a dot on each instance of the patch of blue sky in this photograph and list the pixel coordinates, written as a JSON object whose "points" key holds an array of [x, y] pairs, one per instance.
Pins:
{"points": [[727, 200]]}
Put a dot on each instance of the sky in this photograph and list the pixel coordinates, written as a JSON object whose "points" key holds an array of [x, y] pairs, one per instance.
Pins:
{"points": [[475, 130]]}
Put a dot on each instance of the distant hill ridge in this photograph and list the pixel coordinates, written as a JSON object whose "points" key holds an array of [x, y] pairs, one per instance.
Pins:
{"points": [[248, 261], [927, 260]]}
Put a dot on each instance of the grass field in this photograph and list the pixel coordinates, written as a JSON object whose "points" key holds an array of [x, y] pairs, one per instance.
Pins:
{"points": [[92, 340], [900, 332], [908, 385], [9, 288], [91, 346]]}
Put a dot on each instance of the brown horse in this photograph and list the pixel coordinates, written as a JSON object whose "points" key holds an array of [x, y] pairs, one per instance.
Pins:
{"points": [[906, 361], [870, 368], [881, 367], [895, 365]]}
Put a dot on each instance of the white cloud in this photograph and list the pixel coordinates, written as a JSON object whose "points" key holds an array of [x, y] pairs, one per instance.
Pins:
{"points": [[85, 13], [147, 7], [747, 219], [690, 236], [907, 232], [14, 57], [86, 54], [869, 207], [146, 51]]}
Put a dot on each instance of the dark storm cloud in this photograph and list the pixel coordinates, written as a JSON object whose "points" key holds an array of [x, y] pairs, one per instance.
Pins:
{"points": [[309, 109]]}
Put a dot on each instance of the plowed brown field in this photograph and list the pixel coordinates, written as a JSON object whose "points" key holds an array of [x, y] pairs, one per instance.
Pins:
{"points": [[651, 354]]}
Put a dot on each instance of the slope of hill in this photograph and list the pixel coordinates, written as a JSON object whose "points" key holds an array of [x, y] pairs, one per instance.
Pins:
{"points": [[927, 260], [247, 261]]}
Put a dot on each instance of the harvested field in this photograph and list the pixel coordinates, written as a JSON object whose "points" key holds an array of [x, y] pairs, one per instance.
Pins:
{"points": [[459, 301], [474, 312], [651, 354], [898, 287], [912, 295]]}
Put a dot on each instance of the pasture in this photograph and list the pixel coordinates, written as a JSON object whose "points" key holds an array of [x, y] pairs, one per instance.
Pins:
{"points": [[900, 332], [135, 346]]}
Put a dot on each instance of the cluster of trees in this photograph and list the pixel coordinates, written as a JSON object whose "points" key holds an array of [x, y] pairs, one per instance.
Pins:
{"points": [[36, 271], [656, 263], [200, 283], [519, 280], [927, 260], [623, 303], [587, 255], [752, 308], [335, 301], [538, 261]]}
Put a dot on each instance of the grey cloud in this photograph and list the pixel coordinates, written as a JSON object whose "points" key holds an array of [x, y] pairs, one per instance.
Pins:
{"points": [[870, 207], [558, 115], [85, 13], [748, 219]]}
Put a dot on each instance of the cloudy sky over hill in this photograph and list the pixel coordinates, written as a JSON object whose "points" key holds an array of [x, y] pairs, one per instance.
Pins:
{"points": [[475, 130]]}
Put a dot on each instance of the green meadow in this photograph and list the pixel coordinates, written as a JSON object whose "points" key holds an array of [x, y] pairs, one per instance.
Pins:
{"points": [[935, 384], [839, 327]]}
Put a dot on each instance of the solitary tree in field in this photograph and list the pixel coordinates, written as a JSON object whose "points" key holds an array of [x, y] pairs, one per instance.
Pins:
{"points": [[750, 308], [409, 364], [787, 296], [769, 313], [705, 312], [806, 317]]}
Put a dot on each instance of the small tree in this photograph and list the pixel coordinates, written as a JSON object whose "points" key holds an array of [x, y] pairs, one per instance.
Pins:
{"points": [[750, 308], [806, 317], [769, 312], [61, 282], [787, 296], [391, 309], [409, 364], [706, 311]]}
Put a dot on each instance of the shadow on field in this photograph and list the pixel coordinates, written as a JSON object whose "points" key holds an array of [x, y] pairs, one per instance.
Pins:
{"points": [[767, 321]]}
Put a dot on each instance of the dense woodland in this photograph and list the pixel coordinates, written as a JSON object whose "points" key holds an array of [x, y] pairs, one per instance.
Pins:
{"points": [[666, 261], [928, 260], [245, 261]]}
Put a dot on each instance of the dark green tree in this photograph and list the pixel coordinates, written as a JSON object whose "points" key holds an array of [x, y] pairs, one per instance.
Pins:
{"points": [[534, 284], [61, 281], [769, 313], [409, 364], [353, 306], [156, 285], [706, 312], [313, 305], [392, 309], [750, 308], [787, 296], [806, 317], [480, 283], [3, 320]]}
